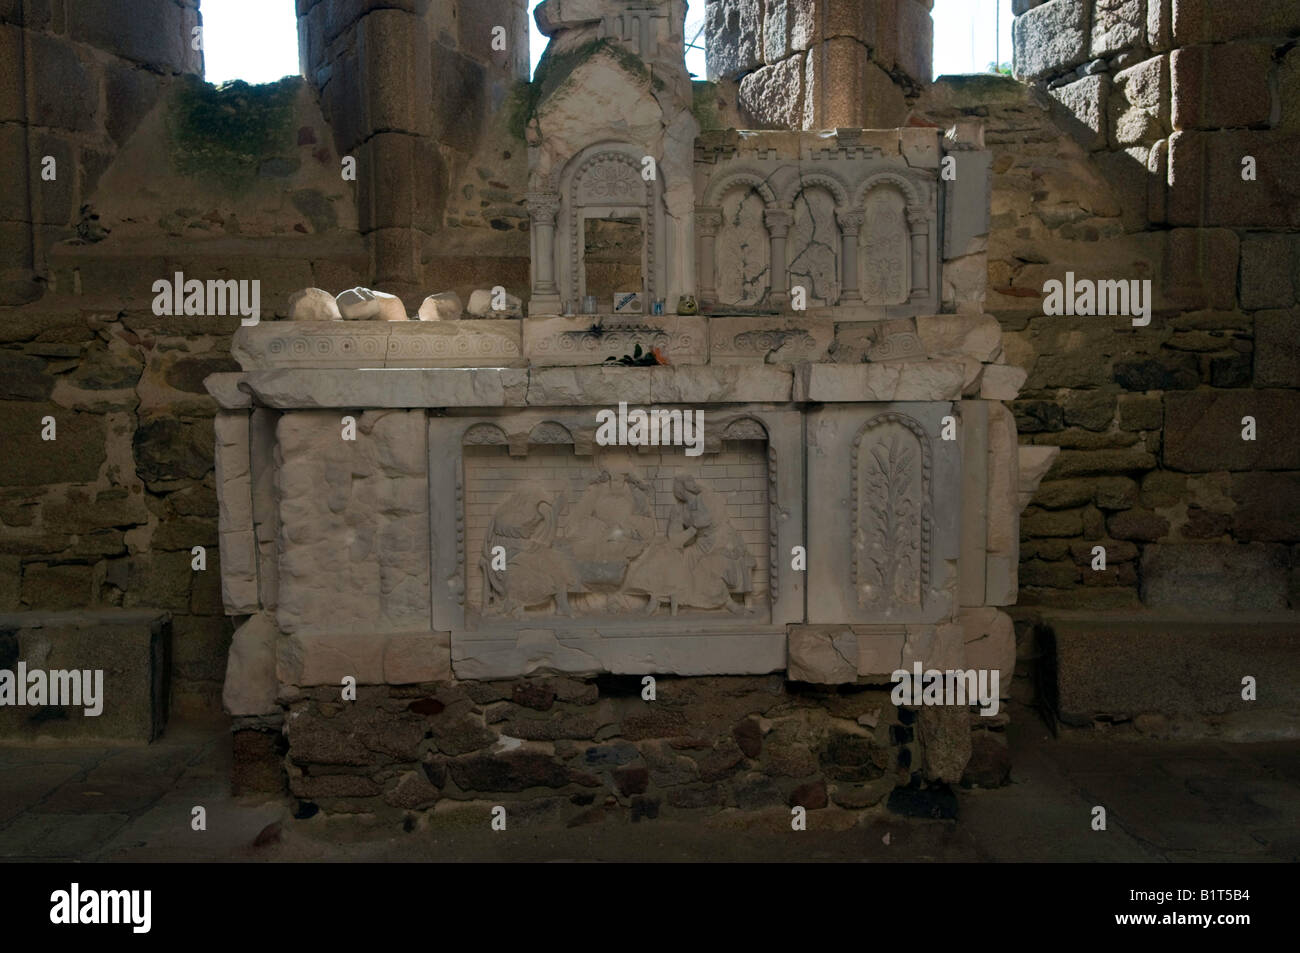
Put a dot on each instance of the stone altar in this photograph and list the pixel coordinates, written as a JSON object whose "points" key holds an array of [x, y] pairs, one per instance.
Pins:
{"points": [[411, 501]]}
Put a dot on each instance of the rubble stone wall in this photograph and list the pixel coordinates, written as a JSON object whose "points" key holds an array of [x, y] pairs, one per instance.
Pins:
{"points": [[579, 751]]}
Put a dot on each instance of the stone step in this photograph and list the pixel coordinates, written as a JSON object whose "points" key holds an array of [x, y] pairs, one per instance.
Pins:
{"points": [[1182, 666], [124, 652]]}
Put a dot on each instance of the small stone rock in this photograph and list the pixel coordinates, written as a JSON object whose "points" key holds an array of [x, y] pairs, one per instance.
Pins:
{"points": [[748, 737], [362, 304], [313, 304], [811, 796], [445, 306], [633, 779]]}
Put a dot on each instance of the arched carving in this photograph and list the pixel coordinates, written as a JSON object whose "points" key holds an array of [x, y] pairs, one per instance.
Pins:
{"points": [[744, 427], [884, 259], [805, 180], [740, 263], [484, 435], [813, 244], [914, 193], [549, 431], [608, 174], [610, 177], [736, 179]]}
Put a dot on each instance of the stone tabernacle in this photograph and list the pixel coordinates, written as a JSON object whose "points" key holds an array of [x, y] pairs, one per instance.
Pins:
{"points": [[424, 505]]}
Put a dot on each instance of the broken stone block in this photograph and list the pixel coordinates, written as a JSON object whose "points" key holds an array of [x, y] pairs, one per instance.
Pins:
{"points": [[251, 685], [1034, 464], [771, 97], [1001, 382], [824, 655], [480, 306], [313, 304], [978, 335], [362, 304], [445, 306], [990, 643]]}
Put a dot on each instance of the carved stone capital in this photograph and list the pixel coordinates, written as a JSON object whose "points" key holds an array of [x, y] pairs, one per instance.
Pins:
{"points": [[918, 215], [850, 220], [543, 207], [708, 221], [777, 221]]}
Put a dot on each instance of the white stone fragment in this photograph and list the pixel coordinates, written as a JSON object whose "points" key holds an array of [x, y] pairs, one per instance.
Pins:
{"points": [[313, 304], [480, 306], [445, 306], [251, 683], [362, 304]]}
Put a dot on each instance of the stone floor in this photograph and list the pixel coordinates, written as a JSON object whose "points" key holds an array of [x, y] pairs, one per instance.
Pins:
{"points": [[1201, 801]]}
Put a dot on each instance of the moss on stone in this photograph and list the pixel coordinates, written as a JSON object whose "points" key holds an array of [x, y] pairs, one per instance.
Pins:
{"points": [[554, 70], [704, 104], [226, 133]]}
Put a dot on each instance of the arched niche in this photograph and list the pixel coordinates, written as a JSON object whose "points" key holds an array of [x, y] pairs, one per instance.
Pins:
{"points": [[813, 244], [605, 183], [742, 253], [884, 247]]}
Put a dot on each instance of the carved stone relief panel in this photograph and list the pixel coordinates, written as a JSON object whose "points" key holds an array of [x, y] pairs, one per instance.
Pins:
{"points": [[353, 534], [812, 246], [743, 250], [882, 543], [891, 472], [855, 225], [611, 547], [616, 533], [884, 253]]}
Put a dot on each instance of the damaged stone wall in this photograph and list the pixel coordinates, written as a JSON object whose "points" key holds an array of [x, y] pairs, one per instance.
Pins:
{"points": [[819, 64], [1121, 156], [418, 94], [76, 79]]}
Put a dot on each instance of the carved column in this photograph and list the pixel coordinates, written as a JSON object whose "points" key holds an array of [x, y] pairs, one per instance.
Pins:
{"points": [[850, 224], [778, 226], [542, 209], [707, 223], [918, 224]]}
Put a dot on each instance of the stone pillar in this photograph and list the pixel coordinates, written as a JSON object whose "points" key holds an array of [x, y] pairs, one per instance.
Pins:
{"points": [[707, 223], [850, 224], [778, 225], [542, 209], [918, 224]]}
